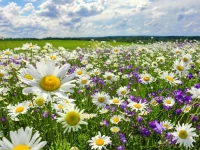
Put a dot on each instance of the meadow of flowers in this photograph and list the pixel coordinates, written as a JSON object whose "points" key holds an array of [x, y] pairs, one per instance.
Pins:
{"points": [[117, 98]]}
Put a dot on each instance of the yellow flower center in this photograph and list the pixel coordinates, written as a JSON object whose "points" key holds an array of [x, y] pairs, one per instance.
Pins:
{"points": [[28, 76], [66, 101], [1, 75], [161, 60], [183, 134], [146, 78], [180, 68], [116, 119], [72, 118], [168, 101], [21, 147], [137, 105], [171, 79], [40, 101], [19, 109], [99, 142], [53, 57], [60, 106], [101, 99], [178, 52], [84, 81], [185, 59], [80, 72], [166, 126], [115, 130], [108, 77], [115, 101], [154, 102], [7, 53], [123, 92], [50, 83], [96, 72], [116, 50]]}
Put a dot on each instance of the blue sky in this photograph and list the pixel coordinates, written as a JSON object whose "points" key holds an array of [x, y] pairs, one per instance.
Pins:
{"points": [[89, 18]]}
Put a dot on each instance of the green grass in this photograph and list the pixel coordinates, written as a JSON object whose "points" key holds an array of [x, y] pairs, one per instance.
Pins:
{"points": [[68, 44]]}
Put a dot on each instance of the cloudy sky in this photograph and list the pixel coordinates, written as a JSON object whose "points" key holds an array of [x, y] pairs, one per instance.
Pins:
{"points": [[88, 18]]}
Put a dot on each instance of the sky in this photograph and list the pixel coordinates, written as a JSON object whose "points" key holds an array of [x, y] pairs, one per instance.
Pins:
{"points": [[97, 18]]}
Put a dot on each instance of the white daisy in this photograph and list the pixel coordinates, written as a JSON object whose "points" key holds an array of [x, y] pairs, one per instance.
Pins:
{"points": [[146, 78], [20, 108], [168, 101], [137, 106], [108, 76], [48, 78], [101, 99], [195, 92], [115, 129], [184, 135], [99, 142], [23, 140], [122, 91], [115, 119], [71, 119], [167, 125], [170, 78], [181, 68]]}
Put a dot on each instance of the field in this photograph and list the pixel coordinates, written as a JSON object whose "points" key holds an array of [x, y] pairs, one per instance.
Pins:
{"points": [[82, 95], [68, 44]]}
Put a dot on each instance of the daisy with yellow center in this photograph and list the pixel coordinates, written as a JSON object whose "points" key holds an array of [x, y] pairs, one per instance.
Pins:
{"points": [[109, 77], [115, 129], [170, 78], [96, 71], [181, 68], [40, 99], [23, 140], [184, 135], [84, 80], [153, 102], [186, 108], [168, 101], [101, 99], [122, 91], [137, 106], [99, 142], [71, 119], [167, 125], [115, 119], [79, 72], [146, 78], [116, 101], [14, 111], [47, 78]]}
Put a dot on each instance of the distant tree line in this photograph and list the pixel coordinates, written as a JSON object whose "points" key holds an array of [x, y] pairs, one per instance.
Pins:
{"points": [[134, 39]]}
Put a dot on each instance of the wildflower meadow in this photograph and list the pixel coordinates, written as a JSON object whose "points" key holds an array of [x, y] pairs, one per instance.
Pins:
{"points": [[133, 97]]}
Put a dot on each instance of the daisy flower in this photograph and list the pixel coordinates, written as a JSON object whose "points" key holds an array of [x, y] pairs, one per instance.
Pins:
{"points": [[195, 92], [185, 135], [48, 78], [153, 102], [99, 142], [71, 119], [170, 78], [66, 100], [23, 140], [20, 108], [59, 107], [167, 125], [186, 108], [122, 91], [101, 99], [84, 80], [108, 76], [40, 99], [115, 119], [160, 59], [115, 129], [146, 78], [168, 101], [116, 101], [187, 58], [137, 106], [79, 72], [96, 71], [181, 68]]}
